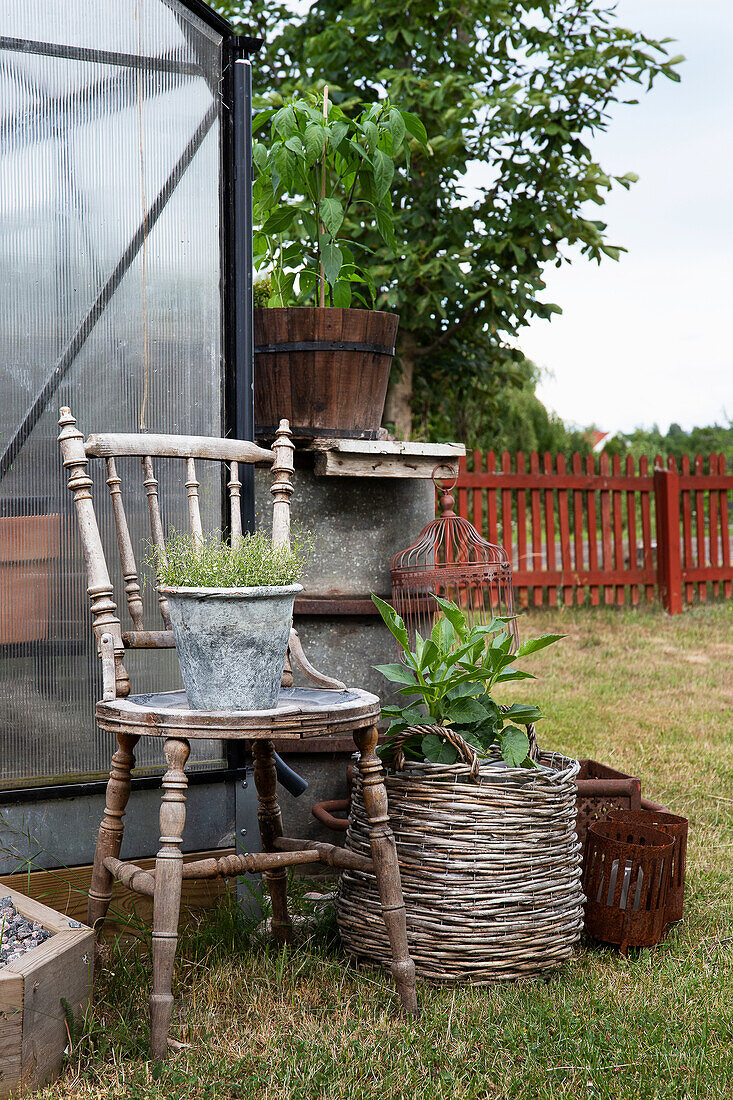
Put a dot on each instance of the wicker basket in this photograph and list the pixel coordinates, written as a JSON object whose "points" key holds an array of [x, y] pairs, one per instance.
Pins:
{"points": [[490, 869]]}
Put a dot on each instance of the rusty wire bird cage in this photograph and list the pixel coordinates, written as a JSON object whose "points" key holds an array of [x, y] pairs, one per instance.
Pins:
{"points": [[452, 560]]}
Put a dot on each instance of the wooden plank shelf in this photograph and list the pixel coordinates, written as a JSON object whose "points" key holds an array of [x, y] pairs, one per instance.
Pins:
{"points": [[384, 458]]}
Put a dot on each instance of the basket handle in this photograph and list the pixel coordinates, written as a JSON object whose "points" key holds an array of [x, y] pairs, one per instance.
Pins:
{"points": [[466, 752]]}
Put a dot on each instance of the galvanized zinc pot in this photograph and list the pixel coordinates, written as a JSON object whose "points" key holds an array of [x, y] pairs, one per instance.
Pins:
{"points": [[231, 643]]}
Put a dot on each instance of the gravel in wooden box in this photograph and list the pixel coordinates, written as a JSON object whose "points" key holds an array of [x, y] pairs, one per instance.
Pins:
{"points": [[33, 988], [490, 871]]}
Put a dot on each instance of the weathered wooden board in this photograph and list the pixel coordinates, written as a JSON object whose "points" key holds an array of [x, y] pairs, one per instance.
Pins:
{"points": [[33, 989], [385, 458]]}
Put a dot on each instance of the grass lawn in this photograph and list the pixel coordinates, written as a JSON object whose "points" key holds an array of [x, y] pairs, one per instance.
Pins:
{"points": [[649, 694]]}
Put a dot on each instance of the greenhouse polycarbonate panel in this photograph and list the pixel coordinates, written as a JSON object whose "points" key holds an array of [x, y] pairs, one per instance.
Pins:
{"points": [[111, 269]]}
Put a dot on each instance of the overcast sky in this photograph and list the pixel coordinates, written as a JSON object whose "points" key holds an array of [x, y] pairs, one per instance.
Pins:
{"points": [[647, 339]]}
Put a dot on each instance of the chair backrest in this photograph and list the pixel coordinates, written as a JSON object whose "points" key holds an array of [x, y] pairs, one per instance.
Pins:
{"points": [[188, 449]]}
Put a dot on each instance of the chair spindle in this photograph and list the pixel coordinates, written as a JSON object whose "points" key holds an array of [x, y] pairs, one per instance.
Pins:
{"points": [[156, 528], [282, 486], [124, 543], [235, 508], [192, 488], [103, 607]]}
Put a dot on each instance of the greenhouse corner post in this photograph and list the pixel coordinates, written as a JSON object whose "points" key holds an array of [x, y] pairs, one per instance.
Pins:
{"points": [[243, 266]]}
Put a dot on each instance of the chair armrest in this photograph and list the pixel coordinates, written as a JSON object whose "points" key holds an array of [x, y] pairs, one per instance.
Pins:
{"points": [[299, 658]]}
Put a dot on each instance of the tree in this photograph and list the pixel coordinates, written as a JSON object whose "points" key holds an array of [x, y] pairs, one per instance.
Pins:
{"points": [[514, 89]]}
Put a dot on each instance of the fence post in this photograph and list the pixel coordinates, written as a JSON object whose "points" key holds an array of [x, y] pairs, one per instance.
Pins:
{"points": [[669, 562]]}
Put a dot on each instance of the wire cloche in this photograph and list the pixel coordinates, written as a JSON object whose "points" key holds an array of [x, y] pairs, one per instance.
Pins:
{"points": [[452, 560]]}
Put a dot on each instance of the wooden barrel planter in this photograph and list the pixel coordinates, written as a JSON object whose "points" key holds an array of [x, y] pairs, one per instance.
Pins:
{"points": [[326, 370], [490, 871], [626, 876], [677, 827]]}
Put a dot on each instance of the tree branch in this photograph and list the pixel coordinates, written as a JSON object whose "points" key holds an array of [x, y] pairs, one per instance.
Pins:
{"points": [[447, 333]]}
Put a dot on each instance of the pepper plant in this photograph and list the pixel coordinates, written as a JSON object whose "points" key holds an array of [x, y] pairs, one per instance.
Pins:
{"points": [[450, 678], [319, 172]]}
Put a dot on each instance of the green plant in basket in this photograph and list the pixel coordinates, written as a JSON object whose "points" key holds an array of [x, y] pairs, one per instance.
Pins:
{"points": [[453, 674]]}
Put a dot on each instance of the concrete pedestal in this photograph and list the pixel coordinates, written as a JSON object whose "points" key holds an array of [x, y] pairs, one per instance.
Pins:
{"points": [[358, 523]]}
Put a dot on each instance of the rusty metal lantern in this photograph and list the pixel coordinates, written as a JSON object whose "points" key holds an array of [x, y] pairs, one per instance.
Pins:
{"points": [[452, 560]]}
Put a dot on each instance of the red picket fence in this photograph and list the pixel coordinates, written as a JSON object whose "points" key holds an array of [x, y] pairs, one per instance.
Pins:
{"points": [[599, 533]]}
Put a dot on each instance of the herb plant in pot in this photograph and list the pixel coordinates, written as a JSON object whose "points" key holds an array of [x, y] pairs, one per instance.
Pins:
{"points": [[323, 352], [231, 610], [484, 823]]}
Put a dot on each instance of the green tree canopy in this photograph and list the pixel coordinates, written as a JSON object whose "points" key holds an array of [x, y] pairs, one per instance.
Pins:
{"points": [[512, 91]]}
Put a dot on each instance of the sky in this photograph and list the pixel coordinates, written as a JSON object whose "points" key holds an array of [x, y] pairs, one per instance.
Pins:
{"points": [[647, 340]]}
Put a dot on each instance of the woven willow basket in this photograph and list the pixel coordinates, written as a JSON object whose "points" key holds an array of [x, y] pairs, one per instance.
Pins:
{"points": [[490, 869]]}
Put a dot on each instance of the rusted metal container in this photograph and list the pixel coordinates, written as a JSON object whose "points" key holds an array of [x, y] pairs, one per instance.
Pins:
{"points": [[602, 789], [626, 877], [677, 828], [452, 560]]}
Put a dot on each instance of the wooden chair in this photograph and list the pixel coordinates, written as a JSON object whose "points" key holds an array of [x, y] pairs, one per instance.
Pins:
{"points": [[301, 712]]}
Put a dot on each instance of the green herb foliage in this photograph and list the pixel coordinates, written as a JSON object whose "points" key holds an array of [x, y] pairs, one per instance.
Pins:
{"points": [[453, 672], [321, 183], [214, 563]]}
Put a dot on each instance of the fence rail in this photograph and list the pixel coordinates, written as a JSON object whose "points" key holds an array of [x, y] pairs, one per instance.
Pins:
{"points": [[603, 530]]}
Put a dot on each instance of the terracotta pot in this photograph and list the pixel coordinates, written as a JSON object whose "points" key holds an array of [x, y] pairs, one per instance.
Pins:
{"points": [[326, 370], [28, 545]]}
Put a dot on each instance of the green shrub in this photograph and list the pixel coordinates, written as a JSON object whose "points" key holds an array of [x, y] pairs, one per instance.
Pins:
{"points": [[216, 564]]}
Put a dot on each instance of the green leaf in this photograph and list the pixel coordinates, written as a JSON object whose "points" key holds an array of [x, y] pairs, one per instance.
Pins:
{"points": [[283, 122], [535, 644], [466, 711], [409, 715], [508, 674], [429, 654], [331, 214], [393, 622], [259, 155], [397, 673], [314, 140], [514, 745], [467, 691], [337, 133], [522, 712], [454, 615], [309, 223], [341, 294], [414, 126], [438, 751], [371, 133], [332, 259], [383, 173], [385, 228], [285, 162], [396, 129], [280, 220]]}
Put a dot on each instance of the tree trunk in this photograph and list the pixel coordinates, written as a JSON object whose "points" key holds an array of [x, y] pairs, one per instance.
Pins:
{"points": [[398, 406]]}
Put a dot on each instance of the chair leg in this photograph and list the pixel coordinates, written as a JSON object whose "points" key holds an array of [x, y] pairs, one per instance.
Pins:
{"points": [[167, 897], [271, 827], [109, 837], [386, 867]]}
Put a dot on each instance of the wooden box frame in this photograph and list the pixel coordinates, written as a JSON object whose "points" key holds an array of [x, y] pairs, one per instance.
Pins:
{"points": [[33, 1033]]}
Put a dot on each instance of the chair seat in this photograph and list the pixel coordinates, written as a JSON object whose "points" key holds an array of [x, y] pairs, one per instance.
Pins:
{"points": [[300, 712]]}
